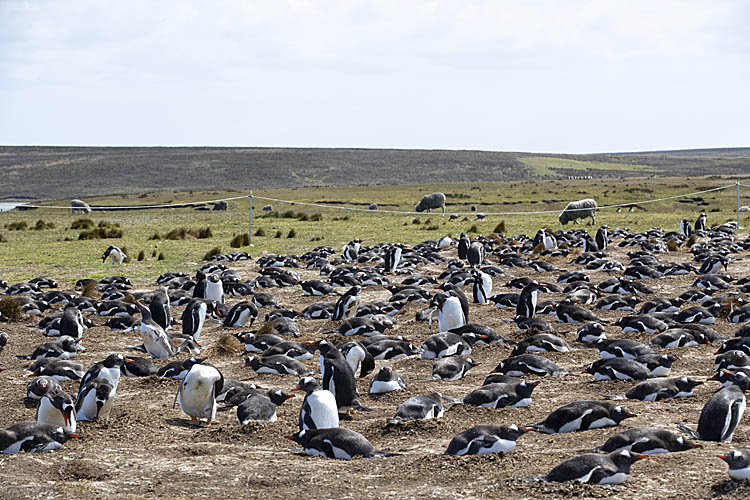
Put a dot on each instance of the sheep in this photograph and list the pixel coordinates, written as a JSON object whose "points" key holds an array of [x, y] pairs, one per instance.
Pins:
{"points": [[79, 206], [268, 208], [220, 205], [373, 206], [431, 201], [579, 210]]}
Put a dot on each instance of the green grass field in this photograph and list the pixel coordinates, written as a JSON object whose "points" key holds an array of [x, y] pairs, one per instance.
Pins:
{"points": [[58, 253]]}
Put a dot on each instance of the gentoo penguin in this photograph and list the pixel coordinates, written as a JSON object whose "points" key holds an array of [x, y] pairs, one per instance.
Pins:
{"points": [[64, 347], [116, 256], [739, 464], [641, 324], [58, 369], [722, 412], [528, 364], [178, 369], [660, 389], [37, 388], [338, 376], [358, 357], [618, 369], [138, 367], [3, 341], [602, 238], [350, 252], [33, 437], [445, 344], [346, 306], [450, 312], [700, 223], [258, 342], [297, 350], [319, 409], [56, 408], [193, 318], [278, 364], [258, 407], [197, 393], [541, 342], [463, 246], [391, 349], [316, 288], [583, 415], [591, 332], [482, 287], [71, 324], [620, 348], [452, 368], [156, 341], [660, 365], [498, 395], [568, 312], [214, 289], [482, 439], [109, 369], [337, 442], [423, 407], [686, 228], [475, 254], [95, 399], [713, 264], [392, 259], [527, 300], [594, 468], [386, 380], [647, 441], [160, 308], [240, 314]]}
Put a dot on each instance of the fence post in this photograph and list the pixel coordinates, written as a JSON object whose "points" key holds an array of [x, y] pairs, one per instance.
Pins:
{"points": [[738, 205], [250, 219]]}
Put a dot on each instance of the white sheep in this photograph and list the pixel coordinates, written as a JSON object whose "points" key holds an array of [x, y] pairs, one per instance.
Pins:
{"points": [[431, 201], [79, 206], [578, 210]]}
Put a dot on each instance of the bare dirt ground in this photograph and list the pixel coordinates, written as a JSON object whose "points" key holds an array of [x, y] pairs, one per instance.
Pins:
{"points": [[147, 449]]}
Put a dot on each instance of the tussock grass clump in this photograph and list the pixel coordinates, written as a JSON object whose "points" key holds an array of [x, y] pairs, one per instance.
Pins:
{"points": [[260, 232], [211, 253], [3, 239], [416, 221], [90, 290], [161, 256], [227, 345], [82, 223], [41, 225], [17, 226], [182, 233], [141, 256], [303, 217], [101, 233], [154, 253], [155, 236], [316, 217], [292, 233], [289, 214], [240, 240], [500, 228], [127, 255], [277, 235], [473, 229], [10, 309], [316, 238], [431, 228]]}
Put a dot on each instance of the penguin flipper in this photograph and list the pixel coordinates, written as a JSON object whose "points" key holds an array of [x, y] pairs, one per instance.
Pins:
{"points": [[690, 432], [450, 399], [614, 397]]}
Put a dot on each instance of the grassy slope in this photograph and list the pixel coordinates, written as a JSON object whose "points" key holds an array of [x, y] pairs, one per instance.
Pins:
{"points": [[31, 253]]}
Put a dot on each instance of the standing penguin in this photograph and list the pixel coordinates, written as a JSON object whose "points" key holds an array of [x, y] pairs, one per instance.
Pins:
{"points": [[346, 306], [686, 228], [450, 312], [338, 377], [392, 258], [602, 238], [350, 252], [723, 411], [463, 246], [240, 314], [358, 357], [319, 409], [475, 254], [71, 324], [700, 223], [214, 289], [160, 308], [526, 307], [193, 318], [482, 287], [95, 399], [116, 256], [198, 390]]}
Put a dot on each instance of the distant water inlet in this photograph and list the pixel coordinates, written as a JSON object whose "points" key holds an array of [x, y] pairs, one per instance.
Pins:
{"points": [[9, 205]]}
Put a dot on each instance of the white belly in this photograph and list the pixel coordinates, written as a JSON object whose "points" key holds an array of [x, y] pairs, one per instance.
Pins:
{"points": [[196, 397]]}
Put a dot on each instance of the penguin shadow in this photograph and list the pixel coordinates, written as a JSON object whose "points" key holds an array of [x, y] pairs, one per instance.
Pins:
{"points": [[730, 486], [183, 422]]}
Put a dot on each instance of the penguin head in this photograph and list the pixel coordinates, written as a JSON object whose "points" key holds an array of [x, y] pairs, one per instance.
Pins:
{"points": [[298, 437], [625, 458], [735, 459]]}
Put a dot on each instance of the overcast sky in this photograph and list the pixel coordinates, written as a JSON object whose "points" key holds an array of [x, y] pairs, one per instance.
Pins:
{"points": [[544, 76]]}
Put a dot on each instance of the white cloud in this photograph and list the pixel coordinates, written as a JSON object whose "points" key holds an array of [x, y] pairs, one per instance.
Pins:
{"points": [[544, 76]]}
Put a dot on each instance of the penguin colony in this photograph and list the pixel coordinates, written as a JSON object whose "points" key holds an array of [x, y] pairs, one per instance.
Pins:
{"points": [[327, 327]]}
